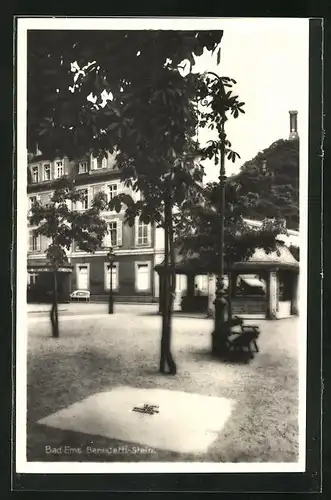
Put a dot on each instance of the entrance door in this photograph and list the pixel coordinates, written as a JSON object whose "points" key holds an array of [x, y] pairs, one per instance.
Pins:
{"points": [[142, 277], [82, 277]]}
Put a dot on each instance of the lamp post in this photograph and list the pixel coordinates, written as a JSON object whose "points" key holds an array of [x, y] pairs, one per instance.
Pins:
{"points": [[219, 334], [220, 331], [111, 259]]}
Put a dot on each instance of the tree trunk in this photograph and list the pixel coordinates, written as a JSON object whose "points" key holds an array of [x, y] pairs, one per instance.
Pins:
{"points": [[164, 320], [167, 364], [172, 291], [54, 311], [165, 297], [229, 297]]}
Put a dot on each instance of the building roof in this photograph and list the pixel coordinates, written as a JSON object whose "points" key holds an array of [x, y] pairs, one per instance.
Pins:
{"points": [[282, 258]]}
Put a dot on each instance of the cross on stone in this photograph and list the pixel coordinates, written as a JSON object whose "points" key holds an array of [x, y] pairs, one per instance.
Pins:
{"points": [[147, 409]]}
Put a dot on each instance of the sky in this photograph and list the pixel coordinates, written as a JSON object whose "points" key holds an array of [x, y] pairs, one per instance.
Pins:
{"points": [[268, 57], [269, 60]]}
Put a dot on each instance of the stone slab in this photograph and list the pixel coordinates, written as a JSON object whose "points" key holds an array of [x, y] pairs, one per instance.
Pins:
{"points": [[186, 422]]}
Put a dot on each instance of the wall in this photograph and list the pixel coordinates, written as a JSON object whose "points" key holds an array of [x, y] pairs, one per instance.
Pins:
{"points": [[284, 309], [126, 274]]}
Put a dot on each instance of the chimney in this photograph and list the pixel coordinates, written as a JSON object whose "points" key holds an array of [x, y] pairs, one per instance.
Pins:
{"points": [[293, 125]]}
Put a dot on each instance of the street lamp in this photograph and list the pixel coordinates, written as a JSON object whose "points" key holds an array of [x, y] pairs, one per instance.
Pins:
{"points": [[219, 334], [111, 259], [220, 302]]}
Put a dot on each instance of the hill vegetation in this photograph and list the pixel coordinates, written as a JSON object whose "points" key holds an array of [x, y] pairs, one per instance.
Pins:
{"points": [[271, 182]]}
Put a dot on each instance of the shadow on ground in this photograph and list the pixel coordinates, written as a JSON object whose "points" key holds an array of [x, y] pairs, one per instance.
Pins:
{"points": [[98, 355]]}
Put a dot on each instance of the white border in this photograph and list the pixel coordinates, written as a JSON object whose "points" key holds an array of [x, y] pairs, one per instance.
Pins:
{"points": [[22, 466]]}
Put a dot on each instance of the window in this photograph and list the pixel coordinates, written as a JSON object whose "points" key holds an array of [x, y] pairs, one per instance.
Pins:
{"points": [[83, 276], [113, 231], [82, 168], [59, 169], [34, 241], [47, 172], [97, 188], [113, 237], [115, 280], [32, 200], [181, 283], [201, 284], [98, 163], [83, 203], [32, 279], [112, 191], [143, 233], [142, 276], [35, 174]]}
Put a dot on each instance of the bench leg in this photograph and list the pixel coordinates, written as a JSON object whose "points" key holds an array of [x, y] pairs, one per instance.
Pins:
{"points": [[250, 351], [255, 345]]}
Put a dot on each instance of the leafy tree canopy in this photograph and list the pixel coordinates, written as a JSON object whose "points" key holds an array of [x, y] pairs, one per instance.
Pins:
{"points": [[62, 225], [274, 193], [198, 228], [138, 69]]}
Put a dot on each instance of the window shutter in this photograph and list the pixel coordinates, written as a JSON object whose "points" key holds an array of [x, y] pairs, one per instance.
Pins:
{"points": [[106, 242], [119, 232], [120, 187], [38, 242], [89, 197], [43, 243], [30, 240], [94, 163], [149, 233], [115, 278], [136, 230], [104, 162]]}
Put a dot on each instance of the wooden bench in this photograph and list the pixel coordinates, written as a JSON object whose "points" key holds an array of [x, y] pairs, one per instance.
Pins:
{"points": [[244, 341]]}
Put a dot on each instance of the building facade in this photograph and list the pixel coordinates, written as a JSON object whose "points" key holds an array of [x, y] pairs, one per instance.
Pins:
{"points": [[133, 275]]}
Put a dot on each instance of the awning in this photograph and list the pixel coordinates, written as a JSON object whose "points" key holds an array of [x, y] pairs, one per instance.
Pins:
{"points": [[253, 282], [49, 269]]}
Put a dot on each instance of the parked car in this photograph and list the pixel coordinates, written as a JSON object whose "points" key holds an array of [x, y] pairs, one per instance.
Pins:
{"points": [[80, 295]]}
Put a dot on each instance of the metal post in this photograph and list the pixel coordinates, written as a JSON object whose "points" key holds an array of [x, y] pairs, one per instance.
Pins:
{"points": [[219, 334], [111, 259]]}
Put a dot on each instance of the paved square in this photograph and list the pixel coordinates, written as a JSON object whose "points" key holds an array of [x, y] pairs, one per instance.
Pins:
{"points": [[186, 422]]}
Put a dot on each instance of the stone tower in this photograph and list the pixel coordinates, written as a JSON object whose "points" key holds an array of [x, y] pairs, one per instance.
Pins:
{"points": [[293, 125]]}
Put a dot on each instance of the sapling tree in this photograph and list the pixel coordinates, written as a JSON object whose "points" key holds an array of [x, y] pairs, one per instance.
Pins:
{"points": [[197, 228], [63, 225], [127, 91]]}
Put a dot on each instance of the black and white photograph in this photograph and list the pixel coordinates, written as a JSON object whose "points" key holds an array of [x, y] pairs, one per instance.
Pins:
{"points": [[162, 189]]}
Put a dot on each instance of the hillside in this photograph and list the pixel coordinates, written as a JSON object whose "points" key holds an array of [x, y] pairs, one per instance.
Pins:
{"points": [[273, 189]]}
